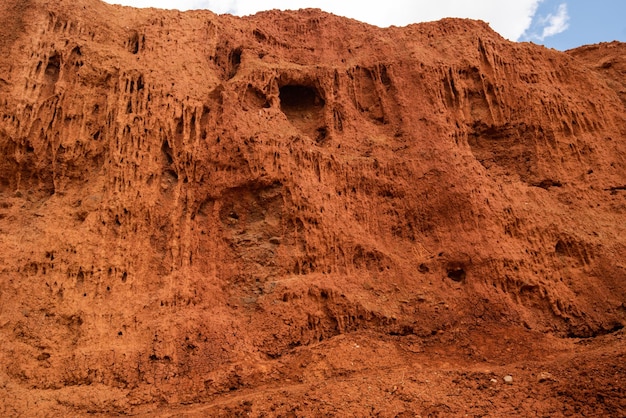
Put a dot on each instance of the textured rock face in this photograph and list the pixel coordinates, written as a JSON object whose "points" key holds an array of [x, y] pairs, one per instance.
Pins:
{"points": [[193, 204]]}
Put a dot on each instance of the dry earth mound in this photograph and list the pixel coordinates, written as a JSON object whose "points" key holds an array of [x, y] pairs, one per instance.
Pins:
{"points": [[297, 214]]}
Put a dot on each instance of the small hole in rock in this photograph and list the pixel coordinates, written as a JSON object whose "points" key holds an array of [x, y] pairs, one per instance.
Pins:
{"points": [[299, 98], [456, 274]]}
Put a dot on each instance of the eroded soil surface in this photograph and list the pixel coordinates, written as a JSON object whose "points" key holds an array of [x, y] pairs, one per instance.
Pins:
{"points": [[297, 214]]}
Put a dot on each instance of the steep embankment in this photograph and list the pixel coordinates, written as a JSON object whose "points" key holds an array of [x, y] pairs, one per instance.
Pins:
{"points": [[289, 204]]}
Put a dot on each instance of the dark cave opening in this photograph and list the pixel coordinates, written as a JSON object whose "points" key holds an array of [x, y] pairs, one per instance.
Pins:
{"points": [[298, 98]]}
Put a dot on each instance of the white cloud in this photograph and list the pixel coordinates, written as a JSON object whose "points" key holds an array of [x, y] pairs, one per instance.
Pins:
{"points": [[510, 18], [549, 25], [557, 23]]}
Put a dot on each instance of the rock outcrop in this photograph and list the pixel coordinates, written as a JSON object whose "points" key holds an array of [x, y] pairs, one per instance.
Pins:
{"points": [[196, 206]]}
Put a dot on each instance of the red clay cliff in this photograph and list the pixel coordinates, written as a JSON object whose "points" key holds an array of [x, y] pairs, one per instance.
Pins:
{"points": [[298, 214]]}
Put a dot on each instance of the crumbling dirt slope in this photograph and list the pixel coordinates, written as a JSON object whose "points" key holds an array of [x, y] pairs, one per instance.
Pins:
{"points": [[297, 214]]}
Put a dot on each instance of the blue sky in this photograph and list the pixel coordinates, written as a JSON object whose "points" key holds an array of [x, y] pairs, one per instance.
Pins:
{"points": [[559, 24], [588, 22]]}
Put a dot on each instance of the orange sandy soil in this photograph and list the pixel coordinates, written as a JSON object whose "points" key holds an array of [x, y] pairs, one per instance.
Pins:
{"points": [[297, 214]]}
